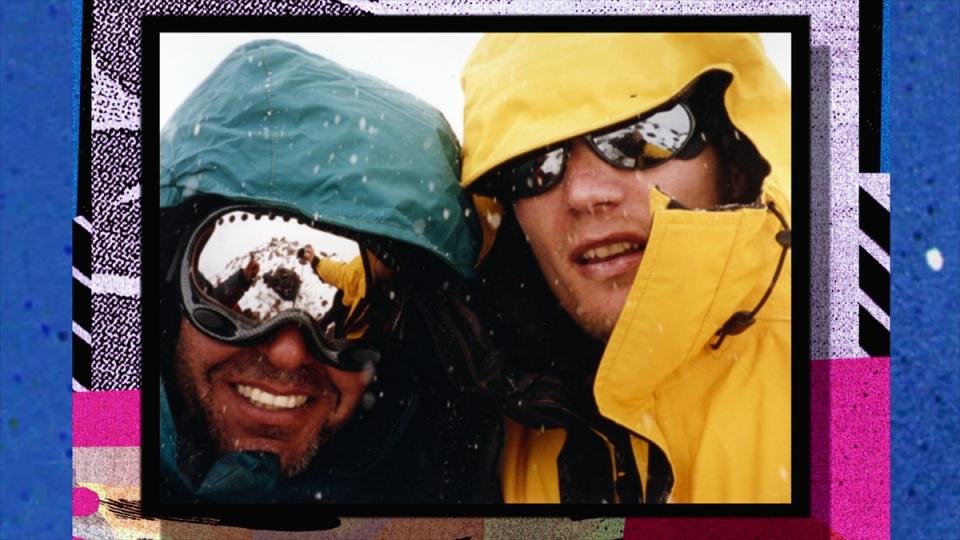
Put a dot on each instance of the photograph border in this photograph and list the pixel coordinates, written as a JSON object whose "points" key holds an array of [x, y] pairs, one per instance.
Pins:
{"points": [[312, 516]]}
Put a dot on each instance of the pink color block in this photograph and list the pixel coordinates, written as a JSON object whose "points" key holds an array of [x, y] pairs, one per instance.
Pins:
{"points": [[106, 418], [849, 462], [85, 501], [860, 447]]}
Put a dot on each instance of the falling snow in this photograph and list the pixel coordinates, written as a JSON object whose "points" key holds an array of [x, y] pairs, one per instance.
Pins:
{"points": [[419, 226]]}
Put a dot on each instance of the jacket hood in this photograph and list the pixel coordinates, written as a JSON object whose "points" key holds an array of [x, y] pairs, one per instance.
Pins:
{"points": [[521, 93], [278, 125]]}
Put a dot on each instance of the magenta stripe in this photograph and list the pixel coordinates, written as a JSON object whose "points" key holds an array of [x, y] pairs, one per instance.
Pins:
{"points": [[106, 418], [859, 411]]}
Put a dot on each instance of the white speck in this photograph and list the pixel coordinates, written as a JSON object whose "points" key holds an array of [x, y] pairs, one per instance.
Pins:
{"points": [[269, 113], [783, 473], [494, 220], [196, 129], [318, 495], [363, 123], [249, 59], [316, 169], [446, 213], [326, 123], [466, 213], [364, 179], [336, 120], [427, 143], [431, 186], [332, 155], [373, 130], [249, 134], [935, 259], [419, 226], [353, 159], [393, 295], [190, 186]]}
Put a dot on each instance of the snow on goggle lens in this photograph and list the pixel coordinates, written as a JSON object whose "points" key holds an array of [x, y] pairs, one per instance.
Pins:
{"points": [[248, 271]]}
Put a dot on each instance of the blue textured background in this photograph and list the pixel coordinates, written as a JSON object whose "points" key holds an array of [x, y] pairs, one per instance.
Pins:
{"points": [[36, 197], [924, 144], [37, 163]]}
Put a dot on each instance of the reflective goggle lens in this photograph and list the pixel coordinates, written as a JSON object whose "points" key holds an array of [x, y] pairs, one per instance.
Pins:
{"points": [[250, 271], [646, 142], [638, 144]]}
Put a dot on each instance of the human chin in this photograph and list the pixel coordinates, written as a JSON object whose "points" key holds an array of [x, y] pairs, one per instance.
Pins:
{"points": [[247, 404], [594, 305], [238, 425]]}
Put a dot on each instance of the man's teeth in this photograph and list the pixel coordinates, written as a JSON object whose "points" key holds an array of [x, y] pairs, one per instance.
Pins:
{"points": [[270, 401], [603, 252]]}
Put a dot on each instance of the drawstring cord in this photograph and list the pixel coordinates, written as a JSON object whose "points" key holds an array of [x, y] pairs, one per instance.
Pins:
{"points": [[742, 320]]}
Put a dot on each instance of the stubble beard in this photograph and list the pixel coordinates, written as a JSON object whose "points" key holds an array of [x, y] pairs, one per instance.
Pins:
{"points": [[202, 417]]}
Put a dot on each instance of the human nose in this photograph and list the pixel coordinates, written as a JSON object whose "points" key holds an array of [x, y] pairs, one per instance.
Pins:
{"points": [[589, 183], [287, 349]]}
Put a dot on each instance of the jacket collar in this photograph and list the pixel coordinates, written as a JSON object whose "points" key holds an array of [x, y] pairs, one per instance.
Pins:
{"points": [[700, 267]]}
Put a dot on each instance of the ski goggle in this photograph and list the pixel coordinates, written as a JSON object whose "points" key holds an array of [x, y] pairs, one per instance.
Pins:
{"points": [[638, 143], [246, 271]]}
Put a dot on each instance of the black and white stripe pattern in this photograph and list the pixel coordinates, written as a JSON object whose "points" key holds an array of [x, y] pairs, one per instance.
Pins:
{"points": [[874, 295], [82, 290]]}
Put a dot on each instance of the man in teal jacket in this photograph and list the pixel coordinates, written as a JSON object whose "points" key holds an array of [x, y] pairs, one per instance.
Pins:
{"points": [[263, 396]]}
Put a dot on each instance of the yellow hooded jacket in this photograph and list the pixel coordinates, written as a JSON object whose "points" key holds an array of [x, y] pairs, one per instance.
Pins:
{"points": [[720, 416], [350, 278]]}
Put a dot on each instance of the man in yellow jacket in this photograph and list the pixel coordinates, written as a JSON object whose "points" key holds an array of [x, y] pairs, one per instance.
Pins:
{"points": [[638, 187]]}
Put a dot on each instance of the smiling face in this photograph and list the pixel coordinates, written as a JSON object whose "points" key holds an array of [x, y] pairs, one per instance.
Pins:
{"points": [[589, 233], [273, 397]]}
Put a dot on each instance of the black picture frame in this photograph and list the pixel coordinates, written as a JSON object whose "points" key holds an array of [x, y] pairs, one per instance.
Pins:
{"points": [[324, 515]]}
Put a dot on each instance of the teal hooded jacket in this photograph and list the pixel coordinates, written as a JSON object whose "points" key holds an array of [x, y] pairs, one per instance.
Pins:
{"points": [[277, 125]]}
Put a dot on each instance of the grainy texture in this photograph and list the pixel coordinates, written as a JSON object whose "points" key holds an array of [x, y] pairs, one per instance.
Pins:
{"points": [[925, 166]]}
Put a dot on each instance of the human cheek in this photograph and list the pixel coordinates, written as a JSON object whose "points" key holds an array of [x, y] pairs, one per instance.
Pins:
{"points": [[351, 385]]}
